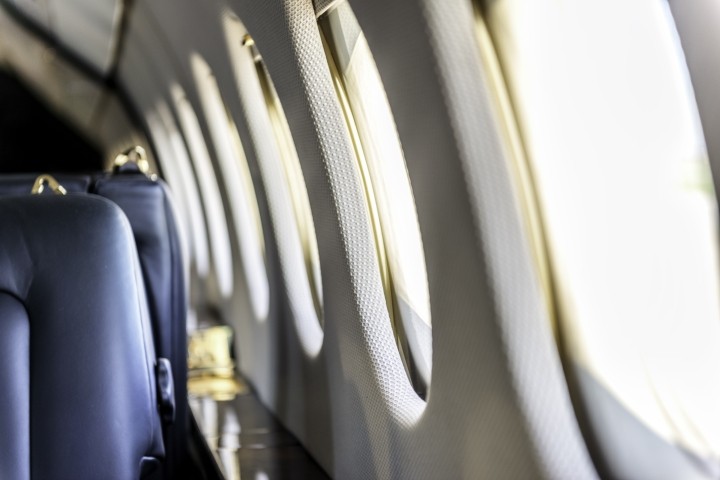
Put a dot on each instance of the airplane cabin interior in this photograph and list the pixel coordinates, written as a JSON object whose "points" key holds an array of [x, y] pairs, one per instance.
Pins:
{"points": [[359, 239]]}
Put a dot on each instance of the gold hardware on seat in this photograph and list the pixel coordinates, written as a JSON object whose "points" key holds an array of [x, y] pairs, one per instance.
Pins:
{"points": [[136, 155], [43, 180]]}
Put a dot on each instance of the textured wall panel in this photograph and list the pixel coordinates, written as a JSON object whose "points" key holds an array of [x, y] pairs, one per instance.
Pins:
{"points": [[497, 406]]}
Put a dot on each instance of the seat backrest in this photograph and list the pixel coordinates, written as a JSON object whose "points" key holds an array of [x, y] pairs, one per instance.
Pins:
{"points": [[148, 206], [79, 394], [147, 203]]}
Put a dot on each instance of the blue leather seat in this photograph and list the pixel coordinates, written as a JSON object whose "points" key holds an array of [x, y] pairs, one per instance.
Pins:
{"points": [[147, 205], [77, 360]]}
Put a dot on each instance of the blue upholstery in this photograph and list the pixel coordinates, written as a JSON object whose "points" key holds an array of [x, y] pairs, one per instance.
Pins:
{"points": [[76, 353], [147, 205]]}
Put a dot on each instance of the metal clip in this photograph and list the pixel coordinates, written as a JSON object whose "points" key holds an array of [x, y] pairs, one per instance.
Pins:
{"points": [[248, 42], [40, 182], [136, 155]]}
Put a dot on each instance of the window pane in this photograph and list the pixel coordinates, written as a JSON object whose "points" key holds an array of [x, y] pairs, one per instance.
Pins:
{"points": [[205, 174], [238, 186], [387, 185], [613, 141], [295, 181]]}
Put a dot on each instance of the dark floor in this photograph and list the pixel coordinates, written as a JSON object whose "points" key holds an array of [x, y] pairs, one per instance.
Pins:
{"points": [[32, 139]]}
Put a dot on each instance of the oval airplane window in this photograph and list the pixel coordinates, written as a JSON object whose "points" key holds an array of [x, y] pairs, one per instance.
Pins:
{"points": [[388, 191], [219, 238], [238, 186], [180, 163], [295, 182], [285, 188], [186, 230], [605, 127]]}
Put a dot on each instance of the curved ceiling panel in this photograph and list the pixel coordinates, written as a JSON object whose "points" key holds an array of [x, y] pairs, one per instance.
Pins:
{"points": [[90, 29]]}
